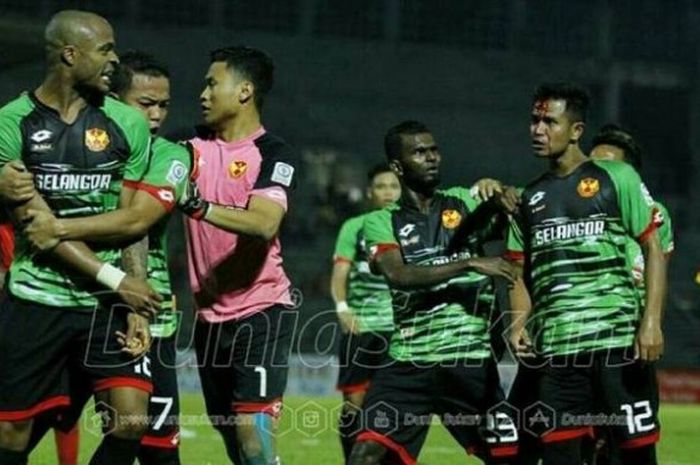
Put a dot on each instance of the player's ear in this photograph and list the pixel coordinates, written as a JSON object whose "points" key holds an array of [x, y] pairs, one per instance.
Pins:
{"points": [[396, 168], [577, 130], [247, 92], [69, 54]]}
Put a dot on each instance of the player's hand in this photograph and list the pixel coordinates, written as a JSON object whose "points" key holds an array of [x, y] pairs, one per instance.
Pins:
{"points": [[43, 229], [521, 343], [649, 344], [485, 188], [508, 199], [140, 296], [349, 323], [493, 266], [16, 183], [192, 204], [137, 339]]}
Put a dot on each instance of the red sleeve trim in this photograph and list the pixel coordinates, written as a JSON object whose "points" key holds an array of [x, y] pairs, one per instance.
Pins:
{"points": [[648, 231], [171, 441], [272, 408], [503, 451], [48, 404], [383, 248], [353, 388], [385, 441], [339, 259], [163, 194], [649, 439], [123, 381], [567, 434], [514, 255]]}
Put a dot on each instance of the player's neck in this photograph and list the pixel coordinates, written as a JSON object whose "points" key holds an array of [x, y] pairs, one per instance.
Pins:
{"points": [[55, 92], [568, 162], [420, 200], [238, 128]]}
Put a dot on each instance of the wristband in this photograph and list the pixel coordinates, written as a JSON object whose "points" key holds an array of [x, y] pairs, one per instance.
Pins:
{"points": [[110, 276], [342, 307]]}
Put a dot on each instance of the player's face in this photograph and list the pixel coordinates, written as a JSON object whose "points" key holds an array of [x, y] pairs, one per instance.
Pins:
{"points": [[551, 129], [384, 190], [220, 99], [419, 164], [150, 95], [607, 152], [95, 58]]}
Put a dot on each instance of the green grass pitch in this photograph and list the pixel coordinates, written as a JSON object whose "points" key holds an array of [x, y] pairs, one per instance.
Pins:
{"points": [[308, 436]]}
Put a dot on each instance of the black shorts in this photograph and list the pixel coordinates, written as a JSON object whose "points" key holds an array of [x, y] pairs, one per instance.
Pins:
{"points": [[579, 392], [361, 355], [402, 399], [243, 364], [38, 344], [164, 406]]}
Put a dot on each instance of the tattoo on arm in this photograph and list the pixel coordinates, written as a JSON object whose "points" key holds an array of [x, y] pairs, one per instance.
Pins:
{"points": [[135, 258]]}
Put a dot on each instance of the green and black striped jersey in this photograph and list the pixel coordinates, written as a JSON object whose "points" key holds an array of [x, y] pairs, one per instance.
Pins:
{"points": [[78, 169], [368, 295], [449, 321], [166, 178], [573, 234]]}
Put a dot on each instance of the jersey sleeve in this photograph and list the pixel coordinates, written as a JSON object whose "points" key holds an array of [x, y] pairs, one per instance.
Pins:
{"points": [[10, 138], [485, 219], [167, 174], [379, 233], [635, 202], [137, 134], [665, 228], [346, 244], [278, 174], [515, 241]]}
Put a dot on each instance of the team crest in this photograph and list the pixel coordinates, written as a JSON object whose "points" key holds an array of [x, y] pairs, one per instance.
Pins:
{"points": [[96, 139], [588, 187], [237, 169], [451, 219]]}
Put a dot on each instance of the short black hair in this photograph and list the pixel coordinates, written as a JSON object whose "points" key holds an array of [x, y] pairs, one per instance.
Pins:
{"points": [[392, 140], [575, 96], [612, 134], [253, 64], [379, 168], [136, 62]]}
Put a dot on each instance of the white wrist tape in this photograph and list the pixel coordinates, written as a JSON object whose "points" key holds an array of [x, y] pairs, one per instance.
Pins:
{"points": [[110, 276], [342, 307]]}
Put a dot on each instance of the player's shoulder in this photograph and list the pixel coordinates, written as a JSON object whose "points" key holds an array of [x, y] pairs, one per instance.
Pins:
{"points": [[614, 168], [121, 112], [17, 108], [463, 194], [380, 215], [273, 147], [163, 145]]}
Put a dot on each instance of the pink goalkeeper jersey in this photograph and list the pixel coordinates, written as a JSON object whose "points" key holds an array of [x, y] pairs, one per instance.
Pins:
{"points": [[234, 276]]}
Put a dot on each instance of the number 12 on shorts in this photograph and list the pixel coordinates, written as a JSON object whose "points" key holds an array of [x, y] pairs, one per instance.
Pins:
{"points": [[639, 417]]}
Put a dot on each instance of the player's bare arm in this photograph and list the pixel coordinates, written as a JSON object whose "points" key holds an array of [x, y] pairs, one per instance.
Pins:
{"points": [[404, 276], [16, 183], [261, 218], [649, 345], [122, 224], [136, 293], [339, 287]]}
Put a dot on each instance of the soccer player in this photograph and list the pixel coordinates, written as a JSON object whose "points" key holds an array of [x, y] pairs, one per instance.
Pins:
{"points": [[363, 304], [239, 285], [79, 146], [67, 443], [587, 321], [143, 83], [429, 248]]}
